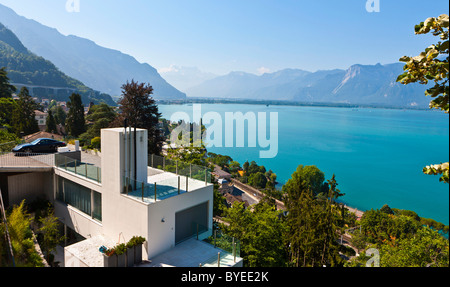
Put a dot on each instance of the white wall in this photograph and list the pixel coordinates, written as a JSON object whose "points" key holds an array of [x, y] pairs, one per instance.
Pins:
{"points": [[122, 217], [161, 235]]}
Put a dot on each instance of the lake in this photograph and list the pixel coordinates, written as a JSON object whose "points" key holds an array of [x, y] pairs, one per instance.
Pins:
{"points": [[377, 155]]}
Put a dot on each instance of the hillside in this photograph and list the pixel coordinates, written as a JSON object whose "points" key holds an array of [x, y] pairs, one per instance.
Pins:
{"points": [[100, 68], [27, 69]]}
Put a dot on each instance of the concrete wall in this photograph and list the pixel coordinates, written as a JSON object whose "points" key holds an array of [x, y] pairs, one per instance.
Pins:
{"points": [[122, 216], [78, 221], [30, 186], [161, 235]]}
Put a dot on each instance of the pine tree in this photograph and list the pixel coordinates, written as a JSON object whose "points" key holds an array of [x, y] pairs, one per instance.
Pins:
{"points": [[6, 90], [75, 122], [50, 123]]}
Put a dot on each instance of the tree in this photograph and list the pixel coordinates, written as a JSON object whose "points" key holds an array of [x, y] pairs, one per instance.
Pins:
{"points": [[6, 111], [60, 115], [426, 249], [6, 89], [314, 179], [21, 237], [432, 65], [261, 233], [51, 235], [24, 118], [50, 123], [312, 222], [257, 180], [99, 117], [75, 121], [137, 105]]}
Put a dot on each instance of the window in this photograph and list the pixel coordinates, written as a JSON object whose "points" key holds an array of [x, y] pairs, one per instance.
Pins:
{"points": [[97, 206], [80, 197]]}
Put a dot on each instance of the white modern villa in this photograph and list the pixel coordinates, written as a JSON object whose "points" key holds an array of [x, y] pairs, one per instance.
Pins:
{"points": [[127, 193]]}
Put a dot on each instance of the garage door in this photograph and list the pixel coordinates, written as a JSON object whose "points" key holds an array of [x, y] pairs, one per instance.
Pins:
{"points": [[186, 221]]}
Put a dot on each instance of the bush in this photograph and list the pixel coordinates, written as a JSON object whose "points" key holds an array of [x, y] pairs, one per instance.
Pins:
{"points": [[96, 143]]}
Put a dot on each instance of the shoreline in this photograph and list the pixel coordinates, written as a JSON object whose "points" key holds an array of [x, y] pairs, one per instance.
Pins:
{"points": [[189, 101]]}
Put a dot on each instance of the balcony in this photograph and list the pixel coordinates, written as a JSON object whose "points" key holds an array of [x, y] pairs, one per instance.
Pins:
{"points": [[83, 169], [166, 178]]}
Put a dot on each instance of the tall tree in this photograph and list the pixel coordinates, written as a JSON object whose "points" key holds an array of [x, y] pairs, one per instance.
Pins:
{"points": [[138, 106], [75, 122], [312, 222], [50, 123], [432, 65], [24, 117], [6, 89], [261, 232]]}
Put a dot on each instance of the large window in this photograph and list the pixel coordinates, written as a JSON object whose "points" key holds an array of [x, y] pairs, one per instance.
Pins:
{"points": [[80, 197]]}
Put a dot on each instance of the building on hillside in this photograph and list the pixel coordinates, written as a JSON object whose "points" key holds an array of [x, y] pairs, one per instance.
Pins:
{"points": [[127, 193], [41, 119]]}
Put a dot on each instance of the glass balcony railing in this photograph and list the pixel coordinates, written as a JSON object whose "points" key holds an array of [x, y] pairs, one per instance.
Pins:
{"points": [[179, 167], [77, 167], [228, 248]]}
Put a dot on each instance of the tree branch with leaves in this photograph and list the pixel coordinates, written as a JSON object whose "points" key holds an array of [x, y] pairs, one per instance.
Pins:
{"points": [[432, 66]]}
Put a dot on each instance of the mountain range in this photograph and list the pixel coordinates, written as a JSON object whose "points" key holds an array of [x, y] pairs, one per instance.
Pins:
{"points": [[359, 84], [100, 68], [107, 70], [41, 76]]}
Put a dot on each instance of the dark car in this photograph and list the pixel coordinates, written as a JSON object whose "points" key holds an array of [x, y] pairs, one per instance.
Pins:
{"points": [[41, 145]]}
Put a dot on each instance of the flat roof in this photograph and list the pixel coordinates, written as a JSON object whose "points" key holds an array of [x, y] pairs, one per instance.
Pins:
{"points": [[88, 250], [191, 253]]}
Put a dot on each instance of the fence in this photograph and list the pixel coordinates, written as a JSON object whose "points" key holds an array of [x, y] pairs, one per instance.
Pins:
{"points": [[228, 248], [10, 159], [184, 178], [179, 167], [78, 167]]}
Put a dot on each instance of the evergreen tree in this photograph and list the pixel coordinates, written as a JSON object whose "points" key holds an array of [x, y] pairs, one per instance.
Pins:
{"points": [[50, 123], [312, 222], [24, 118], [137, 105], [75, 122], [6, 90]]}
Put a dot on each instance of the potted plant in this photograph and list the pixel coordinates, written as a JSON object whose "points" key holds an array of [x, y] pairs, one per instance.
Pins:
{"points": [[110, 258], [130, 254], [137, 242], [121, 257]]}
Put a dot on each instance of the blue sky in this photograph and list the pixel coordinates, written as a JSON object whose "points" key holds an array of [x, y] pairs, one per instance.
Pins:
{"points": [[244, 35]]}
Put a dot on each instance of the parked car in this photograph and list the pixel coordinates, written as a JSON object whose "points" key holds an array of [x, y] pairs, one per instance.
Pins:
{"points": [[41, 145]]}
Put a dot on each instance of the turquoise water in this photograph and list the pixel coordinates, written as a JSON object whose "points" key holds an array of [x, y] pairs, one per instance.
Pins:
{"points": [[377, 155]]}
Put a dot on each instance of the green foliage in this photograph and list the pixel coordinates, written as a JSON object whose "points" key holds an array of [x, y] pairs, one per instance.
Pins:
{"points": [[23, 117], [137, 105], [49, 230], [6, 89], [312, 221], [432, 65], [261, 233], [75, 121], [386, 209], [50, 123], [19, 222], [426, 249], [257, 180]]}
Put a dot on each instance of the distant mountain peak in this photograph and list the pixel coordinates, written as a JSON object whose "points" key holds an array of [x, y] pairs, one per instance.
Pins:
{"points": [[98, 67]]}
